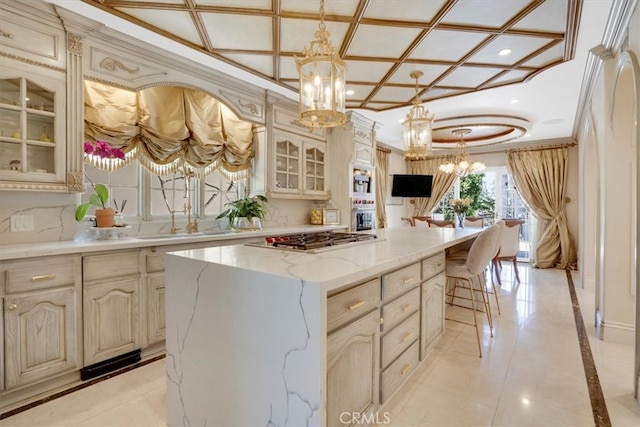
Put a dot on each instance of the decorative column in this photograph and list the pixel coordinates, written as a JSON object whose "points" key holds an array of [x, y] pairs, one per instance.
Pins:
{"points": [[75, 113]]}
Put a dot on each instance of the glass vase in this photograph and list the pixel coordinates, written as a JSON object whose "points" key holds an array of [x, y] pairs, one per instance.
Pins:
{"points": [[460, 216]]}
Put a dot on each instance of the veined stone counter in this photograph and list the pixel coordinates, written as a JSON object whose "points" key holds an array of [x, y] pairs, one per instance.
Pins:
{"points": [[247, 326], [30, 250]]}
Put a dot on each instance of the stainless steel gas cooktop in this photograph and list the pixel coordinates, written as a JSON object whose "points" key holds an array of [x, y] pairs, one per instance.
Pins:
{"points": [[314, 242]]}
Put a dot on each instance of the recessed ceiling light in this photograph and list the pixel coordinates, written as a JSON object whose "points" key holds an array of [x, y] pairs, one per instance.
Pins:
{"points": [[527, 134], [350, 92], [504, 52], [514, 101], [401, 120]]}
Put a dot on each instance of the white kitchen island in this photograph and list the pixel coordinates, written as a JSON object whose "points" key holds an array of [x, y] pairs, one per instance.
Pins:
{"points": [[250, 342]]}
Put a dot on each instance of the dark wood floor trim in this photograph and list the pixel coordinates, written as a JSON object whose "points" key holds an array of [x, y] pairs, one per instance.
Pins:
{"points": [[598, 404], [79, 386]]}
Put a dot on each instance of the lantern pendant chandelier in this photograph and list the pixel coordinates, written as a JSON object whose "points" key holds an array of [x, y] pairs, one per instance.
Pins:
{"points": [[461, 165], [417, 127], [322, 82]]}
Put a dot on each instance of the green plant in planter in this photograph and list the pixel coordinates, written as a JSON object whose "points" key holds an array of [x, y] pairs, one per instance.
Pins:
{"points": [[99, 199], [248, 207]]}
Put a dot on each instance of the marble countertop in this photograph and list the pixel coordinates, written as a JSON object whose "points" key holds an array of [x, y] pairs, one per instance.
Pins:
{"points": [[331, 269], [29, 250]]}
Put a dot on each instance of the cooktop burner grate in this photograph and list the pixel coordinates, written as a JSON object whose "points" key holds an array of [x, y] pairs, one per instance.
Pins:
{"points": [[311, 241]]}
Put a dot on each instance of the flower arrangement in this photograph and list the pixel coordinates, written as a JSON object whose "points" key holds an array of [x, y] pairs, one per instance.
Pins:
{"points": [[103, 150], [460, 205]]}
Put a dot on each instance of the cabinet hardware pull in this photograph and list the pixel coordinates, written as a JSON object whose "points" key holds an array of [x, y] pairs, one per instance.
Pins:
{"points": [[437, 265], [405, 369], [409, 280], [381, 320], [44, 277], [12, 306], [406, 337], [407, 307], [357, 305]]}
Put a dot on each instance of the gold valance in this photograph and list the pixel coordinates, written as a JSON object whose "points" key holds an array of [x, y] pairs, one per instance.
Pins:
{"points": [[167, 128]]}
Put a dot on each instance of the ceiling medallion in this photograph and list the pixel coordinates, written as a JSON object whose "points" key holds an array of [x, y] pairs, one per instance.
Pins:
{"points": [[322, 82], [461, 165], [417, 127]]}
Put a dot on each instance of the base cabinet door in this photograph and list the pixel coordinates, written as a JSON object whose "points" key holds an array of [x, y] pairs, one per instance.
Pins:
{"points": [[111, 319], [432, 315], [353, 371], [40, 336], [155, 307]]}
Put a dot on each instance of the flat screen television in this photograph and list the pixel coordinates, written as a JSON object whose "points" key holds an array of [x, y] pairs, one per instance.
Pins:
{"points": [[411, 185]]}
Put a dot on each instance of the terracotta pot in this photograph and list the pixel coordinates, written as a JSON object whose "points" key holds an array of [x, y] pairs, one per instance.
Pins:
{"points": [[105, 217]]}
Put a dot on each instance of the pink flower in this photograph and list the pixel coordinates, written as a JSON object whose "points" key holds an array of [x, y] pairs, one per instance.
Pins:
{"points": [[103, 150]]}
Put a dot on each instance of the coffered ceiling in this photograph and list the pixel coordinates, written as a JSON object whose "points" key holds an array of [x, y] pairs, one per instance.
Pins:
{"points": [[455, 43], [531, 95]]}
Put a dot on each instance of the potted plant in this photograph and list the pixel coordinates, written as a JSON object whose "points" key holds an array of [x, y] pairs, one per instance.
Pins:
{"points": [[105, 216], [246, 213]]}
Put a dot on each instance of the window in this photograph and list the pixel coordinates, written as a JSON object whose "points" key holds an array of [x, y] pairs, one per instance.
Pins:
{"points": [[147, 196]]}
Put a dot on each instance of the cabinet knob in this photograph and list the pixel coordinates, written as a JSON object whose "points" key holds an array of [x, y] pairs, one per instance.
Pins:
{"points": [[13, 306], [154, 249]]}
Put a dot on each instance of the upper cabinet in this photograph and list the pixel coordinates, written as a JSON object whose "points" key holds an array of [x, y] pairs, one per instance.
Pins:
{"points": [[33, 82], [32, 143], [291, 161]]}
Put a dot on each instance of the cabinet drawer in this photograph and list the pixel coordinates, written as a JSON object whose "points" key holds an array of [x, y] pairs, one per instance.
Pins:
{"points": [[41, 273], [433, 265], [397, 340], [398, 310], [155, 262], [398, 372], [353, 303], [95, 267], [398, 282]]}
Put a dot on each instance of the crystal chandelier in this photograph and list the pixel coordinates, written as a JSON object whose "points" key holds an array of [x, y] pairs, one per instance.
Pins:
{"points": [[461, 165], [417, 127], [322, 82]]}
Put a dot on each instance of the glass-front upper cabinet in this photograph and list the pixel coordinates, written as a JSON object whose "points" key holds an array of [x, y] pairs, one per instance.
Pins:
{"points": [[31, 122]]}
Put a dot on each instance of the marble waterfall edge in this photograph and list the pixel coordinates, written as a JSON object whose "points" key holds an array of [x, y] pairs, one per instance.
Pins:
{"points": [[266, 333]]}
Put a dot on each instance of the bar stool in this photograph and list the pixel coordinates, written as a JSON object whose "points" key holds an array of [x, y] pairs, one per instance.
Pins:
{"points": [[481, 253]]}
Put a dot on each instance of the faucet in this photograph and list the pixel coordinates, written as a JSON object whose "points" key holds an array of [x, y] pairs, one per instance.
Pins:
{"points": [[173, 222], [192, 227]]}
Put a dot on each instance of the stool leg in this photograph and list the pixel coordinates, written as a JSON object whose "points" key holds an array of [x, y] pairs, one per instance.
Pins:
{"points": [[485, 301], [475, 320]]}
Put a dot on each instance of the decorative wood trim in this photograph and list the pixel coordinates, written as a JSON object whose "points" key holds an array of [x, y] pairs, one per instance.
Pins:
{"points": [[74, 44], [75, 182], [110, 83], [5, 34], [32, 62], [113, 65]]}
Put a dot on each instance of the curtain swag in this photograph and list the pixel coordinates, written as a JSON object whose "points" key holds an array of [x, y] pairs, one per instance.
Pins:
{"points": [[540, 177], [382, 182], [442, 182], [168, 128]]}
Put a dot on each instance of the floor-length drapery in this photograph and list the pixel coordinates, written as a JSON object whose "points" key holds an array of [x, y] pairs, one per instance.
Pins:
{"points": [[540, 176], [442, 182], [382, 171]]}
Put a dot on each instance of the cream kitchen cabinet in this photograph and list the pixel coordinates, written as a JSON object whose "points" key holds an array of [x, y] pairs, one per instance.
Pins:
{"points": [[353, 352], [33, 100], [432, 303], [298, 167], [41, 317], [111, 284], [32, 128]]}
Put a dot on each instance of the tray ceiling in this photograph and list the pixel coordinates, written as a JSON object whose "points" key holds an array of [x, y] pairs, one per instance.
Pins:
{"points": [[455, 43]]}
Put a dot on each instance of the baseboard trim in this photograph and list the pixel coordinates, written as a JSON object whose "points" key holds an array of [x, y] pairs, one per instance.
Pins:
{"points": [[620, 333]]}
